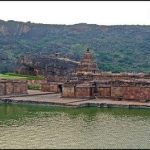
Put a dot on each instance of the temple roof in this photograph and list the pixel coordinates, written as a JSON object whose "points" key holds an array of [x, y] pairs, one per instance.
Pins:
{"points": [[86, 64]]}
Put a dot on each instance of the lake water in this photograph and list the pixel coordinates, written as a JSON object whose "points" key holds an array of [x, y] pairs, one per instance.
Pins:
{"points": [[34, 126]]}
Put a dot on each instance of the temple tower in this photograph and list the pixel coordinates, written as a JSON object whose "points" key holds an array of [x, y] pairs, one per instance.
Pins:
{"points": [[86, 64]]}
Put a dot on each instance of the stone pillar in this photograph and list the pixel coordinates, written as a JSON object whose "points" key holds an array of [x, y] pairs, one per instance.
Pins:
{"points": [[9, 88], [2, 88]]}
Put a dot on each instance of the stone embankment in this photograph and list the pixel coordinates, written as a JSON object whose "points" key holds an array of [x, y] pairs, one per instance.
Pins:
{"points": [[53, 99]]}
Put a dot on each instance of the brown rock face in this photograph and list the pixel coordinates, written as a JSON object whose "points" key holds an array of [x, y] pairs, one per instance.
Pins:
{"points": [[52, 67]]}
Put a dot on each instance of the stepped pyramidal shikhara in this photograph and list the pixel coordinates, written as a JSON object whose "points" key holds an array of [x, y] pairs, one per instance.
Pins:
{"points": [[86, 64], [87, 81]]}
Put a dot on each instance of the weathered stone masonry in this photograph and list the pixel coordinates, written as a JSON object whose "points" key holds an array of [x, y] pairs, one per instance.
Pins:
{"points": [[13, 87], [125, 89], [55, 87], [88, 82]]}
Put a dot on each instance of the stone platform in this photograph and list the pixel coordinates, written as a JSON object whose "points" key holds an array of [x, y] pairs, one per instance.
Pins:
{"points": [[38, 97]]}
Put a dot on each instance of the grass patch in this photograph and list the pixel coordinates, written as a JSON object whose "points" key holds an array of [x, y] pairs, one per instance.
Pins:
{"points": [[3, 76], [20, 76]]}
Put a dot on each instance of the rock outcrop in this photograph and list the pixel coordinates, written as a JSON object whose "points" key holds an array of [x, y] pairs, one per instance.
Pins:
{"points": [[48, 66]]}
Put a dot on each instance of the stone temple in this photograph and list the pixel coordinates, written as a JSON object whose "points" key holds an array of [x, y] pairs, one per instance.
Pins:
{"points": [[87, 65], [86, 81]]}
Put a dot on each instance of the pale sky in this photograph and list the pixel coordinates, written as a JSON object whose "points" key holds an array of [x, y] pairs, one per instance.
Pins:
{"points": [[73, 12]]}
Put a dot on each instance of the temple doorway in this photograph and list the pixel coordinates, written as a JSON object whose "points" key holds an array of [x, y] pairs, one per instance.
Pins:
{"points": [[91, 92], [60, 88]]}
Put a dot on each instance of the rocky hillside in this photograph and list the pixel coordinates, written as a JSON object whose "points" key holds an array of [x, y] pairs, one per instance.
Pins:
{"points": [[46, 66], [115, 48]]}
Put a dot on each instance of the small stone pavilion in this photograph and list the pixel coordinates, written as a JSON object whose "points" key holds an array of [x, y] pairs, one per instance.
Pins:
{"points": [[88, 82]]}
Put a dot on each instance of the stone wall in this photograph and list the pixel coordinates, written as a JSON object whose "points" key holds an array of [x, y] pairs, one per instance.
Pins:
{"points": [[55, 78], [84, 90], [68, 91], [104, 91], [2, 88], [138, 90], [51, 87], [131, 93], [109, 76], [13, 87]]}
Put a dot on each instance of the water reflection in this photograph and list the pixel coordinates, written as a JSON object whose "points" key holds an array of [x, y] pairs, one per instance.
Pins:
{"points": [[15, 111], [35, 126]]}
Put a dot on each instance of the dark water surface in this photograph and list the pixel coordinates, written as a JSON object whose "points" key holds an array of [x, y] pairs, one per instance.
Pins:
{"points": [[34, 126]]}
